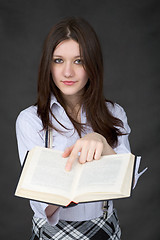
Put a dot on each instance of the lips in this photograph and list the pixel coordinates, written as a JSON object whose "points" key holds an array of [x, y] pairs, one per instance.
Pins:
{"points": [[69, 83]]}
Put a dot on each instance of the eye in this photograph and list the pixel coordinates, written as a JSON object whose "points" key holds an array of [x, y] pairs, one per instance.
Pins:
{"points": [[58, 60], [78, 61]]}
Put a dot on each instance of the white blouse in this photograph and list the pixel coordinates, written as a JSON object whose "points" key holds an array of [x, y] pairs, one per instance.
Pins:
{"points": [[29, 134]]}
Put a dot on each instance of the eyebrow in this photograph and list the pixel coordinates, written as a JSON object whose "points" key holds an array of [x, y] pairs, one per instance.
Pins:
{"points": [[62, 56]]}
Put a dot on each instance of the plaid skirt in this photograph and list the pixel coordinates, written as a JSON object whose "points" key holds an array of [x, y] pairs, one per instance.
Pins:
{"points": [[94, 229]]}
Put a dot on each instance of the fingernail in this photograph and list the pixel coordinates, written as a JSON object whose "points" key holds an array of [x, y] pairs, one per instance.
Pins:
{"points": [[67, 168]]}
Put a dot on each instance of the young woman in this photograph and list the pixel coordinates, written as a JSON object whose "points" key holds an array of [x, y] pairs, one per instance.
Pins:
{"points": [[71, 103]]}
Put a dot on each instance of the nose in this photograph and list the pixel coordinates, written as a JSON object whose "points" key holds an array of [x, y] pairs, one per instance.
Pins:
{"points": [[68, 70]]}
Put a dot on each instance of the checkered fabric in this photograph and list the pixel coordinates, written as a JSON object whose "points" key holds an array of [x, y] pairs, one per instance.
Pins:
{"points": [[98, 228]]}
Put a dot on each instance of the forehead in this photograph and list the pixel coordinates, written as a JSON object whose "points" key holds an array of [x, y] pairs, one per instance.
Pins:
{"points": [[67, 47]]}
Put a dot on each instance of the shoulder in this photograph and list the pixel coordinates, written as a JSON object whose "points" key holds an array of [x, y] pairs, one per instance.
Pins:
{"points": [[116, 110], [29, 116]]}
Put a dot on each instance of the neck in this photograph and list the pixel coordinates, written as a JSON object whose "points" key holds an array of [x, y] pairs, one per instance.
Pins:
{"points": [[73, 103], [75, 112], [73, 106]]}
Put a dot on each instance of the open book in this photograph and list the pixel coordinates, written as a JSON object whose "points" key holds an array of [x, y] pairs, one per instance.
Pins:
{"points": [[45, 179]]}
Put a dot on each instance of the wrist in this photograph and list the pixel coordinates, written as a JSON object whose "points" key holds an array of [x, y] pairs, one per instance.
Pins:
{"points": [[107, 149], [50, 210]]}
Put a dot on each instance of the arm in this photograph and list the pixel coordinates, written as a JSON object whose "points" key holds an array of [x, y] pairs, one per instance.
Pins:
{"points": [[50, 210], [123, 143], [29, 134], [93, 145]]}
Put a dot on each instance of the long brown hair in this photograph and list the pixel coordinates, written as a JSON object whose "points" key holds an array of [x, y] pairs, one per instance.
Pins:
{"points": [[94, 103]]}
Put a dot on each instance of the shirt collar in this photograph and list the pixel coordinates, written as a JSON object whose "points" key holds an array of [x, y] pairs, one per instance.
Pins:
{"points": [[54, 101]]}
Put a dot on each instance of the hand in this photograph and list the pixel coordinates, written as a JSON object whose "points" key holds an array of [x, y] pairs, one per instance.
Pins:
{"points": [[91, 147], [50, 210]]}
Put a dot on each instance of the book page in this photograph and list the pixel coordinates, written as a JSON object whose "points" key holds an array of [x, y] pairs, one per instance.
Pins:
{"points": [[44, 177], [104, 175], [47, 173]]}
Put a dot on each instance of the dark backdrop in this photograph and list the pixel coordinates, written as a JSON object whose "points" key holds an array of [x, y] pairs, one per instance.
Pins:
{"points": [[129, 32]]}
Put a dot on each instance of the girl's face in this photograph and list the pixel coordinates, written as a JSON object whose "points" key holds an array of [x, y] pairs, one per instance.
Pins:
{"points": [[67, 70]]}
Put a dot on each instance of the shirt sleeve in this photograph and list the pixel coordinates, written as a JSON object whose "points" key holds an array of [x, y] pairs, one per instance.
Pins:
{"points": [[29, 134], [123, 145], [123, 142]]}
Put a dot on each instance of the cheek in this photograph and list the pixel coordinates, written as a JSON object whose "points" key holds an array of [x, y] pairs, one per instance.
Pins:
{"points": [[85, 78], [83, 75]]}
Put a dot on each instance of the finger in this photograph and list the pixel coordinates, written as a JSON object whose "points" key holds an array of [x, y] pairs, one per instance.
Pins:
{"points": [[98, 151], [70, 161], [83, 154], [91, 154], [73, 156], [91, 151], [67, 151]]}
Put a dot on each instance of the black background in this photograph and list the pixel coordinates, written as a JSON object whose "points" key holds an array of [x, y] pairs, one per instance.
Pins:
{"points": [[129, 32]]}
